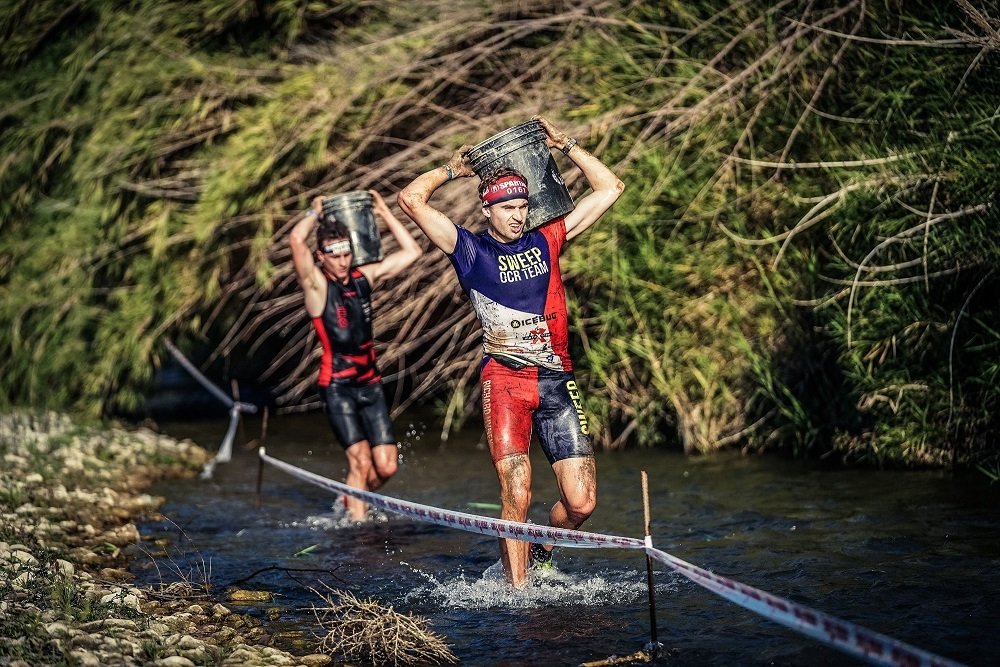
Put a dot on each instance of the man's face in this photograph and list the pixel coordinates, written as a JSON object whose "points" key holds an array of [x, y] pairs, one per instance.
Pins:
{"points": [[335, 257], [507, 219]]}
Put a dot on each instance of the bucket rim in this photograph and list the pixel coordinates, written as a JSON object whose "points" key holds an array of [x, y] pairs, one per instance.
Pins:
{"points": [[352, 194], [513, 145], [347, 200], [500, 136]]}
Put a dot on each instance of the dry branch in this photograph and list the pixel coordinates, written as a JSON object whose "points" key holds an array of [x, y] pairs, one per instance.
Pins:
{"points": [[365, 631]]}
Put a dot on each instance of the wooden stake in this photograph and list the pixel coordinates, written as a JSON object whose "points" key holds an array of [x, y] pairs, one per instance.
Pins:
{"points": [[649, 560], [235, 387], [260, 461]]}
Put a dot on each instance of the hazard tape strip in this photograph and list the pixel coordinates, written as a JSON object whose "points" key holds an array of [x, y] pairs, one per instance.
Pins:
{"points": [[225, 452], [472, 523], [240, 406], [848, 637]]}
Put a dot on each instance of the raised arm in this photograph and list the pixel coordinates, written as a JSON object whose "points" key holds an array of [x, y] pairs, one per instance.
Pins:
{"points": [[413, 199], [605, 185], [310, 276], [409, 250]]}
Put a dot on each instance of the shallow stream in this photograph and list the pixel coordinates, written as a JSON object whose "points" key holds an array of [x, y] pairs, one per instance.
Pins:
{"points": [[915, 555]]}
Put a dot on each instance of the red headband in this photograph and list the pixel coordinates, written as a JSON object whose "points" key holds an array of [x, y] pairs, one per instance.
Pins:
{"points": [[505, 189]]}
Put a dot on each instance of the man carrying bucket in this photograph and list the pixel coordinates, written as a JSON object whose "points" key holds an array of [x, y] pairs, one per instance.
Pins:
{"points": [[338, 300], [512, 278]]}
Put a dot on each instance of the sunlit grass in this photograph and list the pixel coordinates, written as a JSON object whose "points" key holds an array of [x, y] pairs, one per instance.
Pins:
{"points": [[802, 258]]}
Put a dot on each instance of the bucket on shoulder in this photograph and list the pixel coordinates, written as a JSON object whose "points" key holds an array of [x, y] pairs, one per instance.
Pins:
{"points": [[354, 210], [523, 148]]}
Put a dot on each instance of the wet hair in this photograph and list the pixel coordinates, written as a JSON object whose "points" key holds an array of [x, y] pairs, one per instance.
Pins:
{"points": [[495, 176], [330, 229]]}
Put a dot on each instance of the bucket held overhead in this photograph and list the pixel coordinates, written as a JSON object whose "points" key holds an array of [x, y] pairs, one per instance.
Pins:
{"points": [[523, 148], [354, 211]]}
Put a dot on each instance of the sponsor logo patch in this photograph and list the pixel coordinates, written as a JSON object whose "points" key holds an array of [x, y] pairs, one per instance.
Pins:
{"points": [[574, 395]]}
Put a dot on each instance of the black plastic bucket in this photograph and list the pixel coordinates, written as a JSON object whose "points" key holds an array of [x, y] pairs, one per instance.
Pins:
{"points": [[354, 211], [523, 148]]}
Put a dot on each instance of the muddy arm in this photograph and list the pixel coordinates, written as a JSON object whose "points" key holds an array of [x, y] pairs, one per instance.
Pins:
{"points": [[606, 186], [414, 198], [409, 250]]}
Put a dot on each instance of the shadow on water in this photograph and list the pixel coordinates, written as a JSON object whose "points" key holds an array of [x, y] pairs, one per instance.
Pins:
{"points": [[911, 554]]}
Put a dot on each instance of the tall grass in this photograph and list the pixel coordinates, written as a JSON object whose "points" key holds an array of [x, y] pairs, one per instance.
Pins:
{"points": [[803, 258]]}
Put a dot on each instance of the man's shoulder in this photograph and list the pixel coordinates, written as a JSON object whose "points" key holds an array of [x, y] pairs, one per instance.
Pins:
{"points": [[556, 227], [467, 233], [359, 278], [469, 242]]}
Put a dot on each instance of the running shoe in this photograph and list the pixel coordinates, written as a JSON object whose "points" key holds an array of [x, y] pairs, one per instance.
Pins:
{"points": [[540, 558]]}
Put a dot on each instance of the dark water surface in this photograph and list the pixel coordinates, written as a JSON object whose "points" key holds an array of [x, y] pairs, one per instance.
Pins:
{"points": [[915, 555]]}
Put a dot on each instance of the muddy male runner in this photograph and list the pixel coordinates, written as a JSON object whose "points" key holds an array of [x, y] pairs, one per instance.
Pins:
{"points": [[338, 301], [513, 281]]}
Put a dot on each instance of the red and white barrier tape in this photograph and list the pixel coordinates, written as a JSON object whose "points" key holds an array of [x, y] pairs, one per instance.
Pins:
{"points": [[848, 637], [472, 523], [851, 638], [239, 406], [225, 453]]}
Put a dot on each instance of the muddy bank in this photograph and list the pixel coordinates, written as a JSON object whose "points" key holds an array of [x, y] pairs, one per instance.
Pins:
{"points": [[69, 497]]}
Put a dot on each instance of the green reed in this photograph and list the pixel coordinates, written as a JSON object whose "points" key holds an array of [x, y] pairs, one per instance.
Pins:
{"points": [[802, 260]]}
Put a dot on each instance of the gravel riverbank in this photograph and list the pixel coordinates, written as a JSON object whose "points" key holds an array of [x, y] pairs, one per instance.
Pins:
{"points": [[69, 496]]}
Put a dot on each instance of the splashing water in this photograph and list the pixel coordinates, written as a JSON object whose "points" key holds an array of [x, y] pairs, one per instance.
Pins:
{"points": [[546, 588], [822, 539], [337, 518]]}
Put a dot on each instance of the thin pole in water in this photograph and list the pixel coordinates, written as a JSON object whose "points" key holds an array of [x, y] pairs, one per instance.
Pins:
{"points": [[260, 461], [649, 560], [234, 385]]}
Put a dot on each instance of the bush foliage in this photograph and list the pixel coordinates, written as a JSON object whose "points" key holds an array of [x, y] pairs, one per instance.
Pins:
{"points": [[804, 258]]}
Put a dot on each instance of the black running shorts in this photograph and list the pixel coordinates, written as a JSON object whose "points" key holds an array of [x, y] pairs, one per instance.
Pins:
{"points": [[358, 412]]}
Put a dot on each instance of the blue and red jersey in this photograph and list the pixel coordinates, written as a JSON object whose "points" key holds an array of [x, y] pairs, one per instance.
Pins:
{"points": [[517, 291], [345, 333]]}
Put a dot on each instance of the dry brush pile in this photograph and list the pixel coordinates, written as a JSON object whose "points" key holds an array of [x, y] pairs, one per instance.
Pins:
{"points": [[356, 629]]}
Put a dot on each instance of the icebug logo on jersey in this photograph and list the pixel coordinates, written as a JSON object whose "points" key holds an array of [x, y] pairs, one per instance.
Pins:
{"points": [[528, 321], [574, 395]]}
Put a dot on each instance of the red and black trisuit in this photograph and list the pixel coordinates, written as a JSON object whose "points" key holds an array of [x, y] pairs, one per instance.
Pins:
{"points": [[349, 381]]}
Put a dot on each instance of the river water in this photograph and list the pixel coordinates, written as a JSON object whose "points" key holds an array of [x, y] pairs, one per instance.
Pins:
{"points": [[915, 555]]}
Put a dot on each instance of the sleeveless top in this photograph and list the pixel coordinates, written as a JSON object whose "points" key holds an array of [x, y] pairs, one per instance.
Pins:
{"points": [[517, 291], [345, 332]]}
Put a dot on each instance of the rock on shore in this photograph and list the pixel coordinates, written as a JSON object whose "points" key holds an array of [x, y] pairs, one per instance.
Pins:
{"points": [[68, 496]]}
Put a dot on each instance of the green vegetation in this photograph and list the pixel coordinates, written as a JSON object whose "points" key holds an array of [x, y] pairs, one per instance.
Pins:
{"points": [[810, 222], [803, 259]]}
